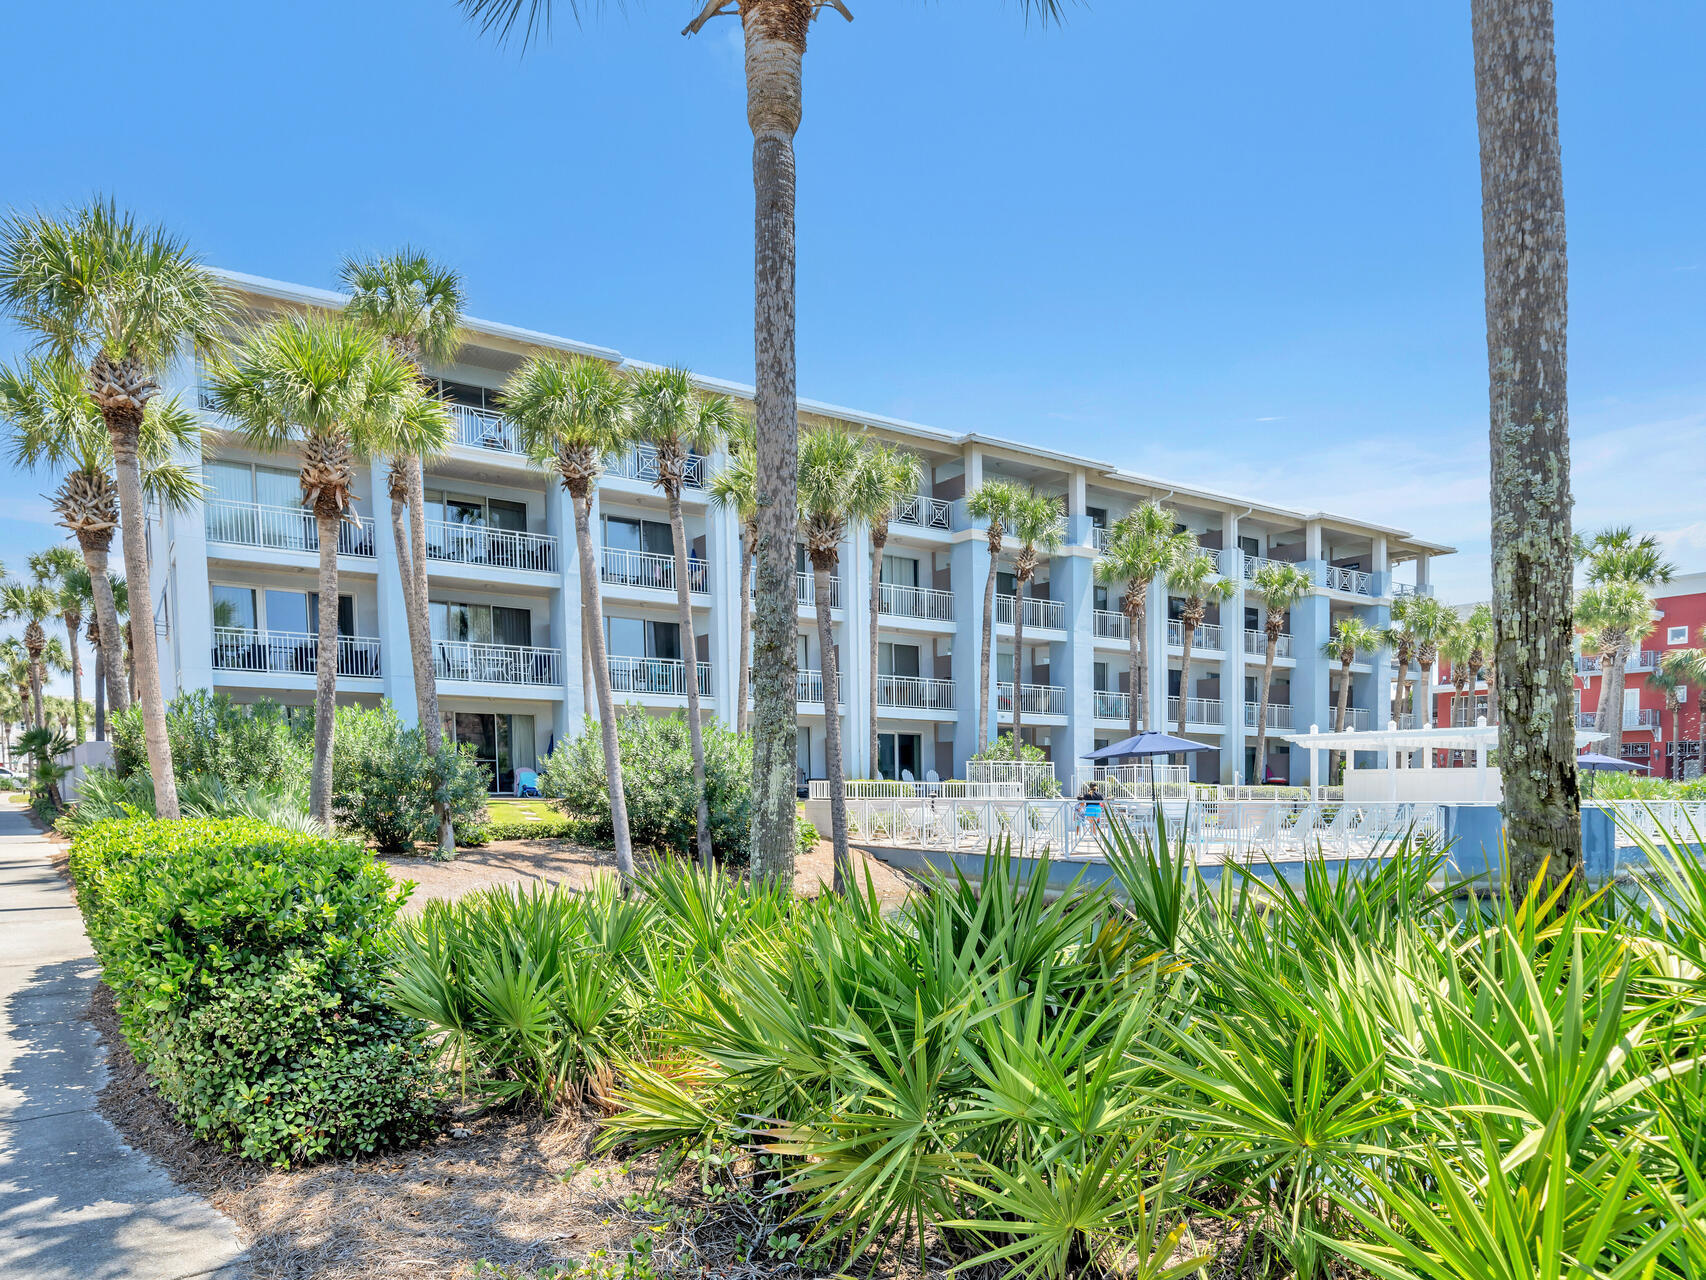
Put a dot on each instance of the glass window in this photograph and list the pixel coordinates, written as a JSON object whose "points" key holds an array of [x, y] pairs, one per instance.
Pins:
{"points": [[507, 515], [231, 481], [663, 640], [625, 637], [900, 571], [512, 626], [621, 534], [276, 487], [234, 607], [287, 611], [1676, 635], [465, 511], [897, 659]]}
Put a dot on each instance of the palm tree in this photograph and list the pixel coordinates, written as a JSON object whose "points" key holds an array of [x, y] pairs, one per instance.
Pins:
{"points": [[414, 304], [122, 302], [774, 33], [1618, 555], [893, 475], [1431, 622], [1522, 237], [31, 603], [109, 675], [572, 412], [1479, 627], [1669, 677], [1457, 646], [1197, 578], [1618, 612], [832, 492], [672, 417], [1037, 529], [994, 501], [1351, 637], [1401, 636], [1143, 545], [1282, 586], [17, 673], [734, 488], [327, 389], [62, 568]]}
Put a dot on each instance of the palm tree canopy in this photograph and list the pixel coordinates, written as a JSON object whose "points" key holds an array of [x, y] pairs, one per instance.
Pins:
{"points": [[1143, 545], [1618, 553], [1197, 577], [669, 412], [1429, 621], [409, 298], [734, 487], [1037, 528], [831, 487], [29, 602], [1457, 646], [1618, 610], [96, 282], [995, 501], [563, 405], [1282, 586], [889, 477], [1350, 637]]}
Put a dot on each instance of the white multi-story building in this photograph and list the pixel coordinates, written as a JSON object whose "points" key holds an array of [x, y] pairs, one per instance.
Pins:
{"points": [[235, 581]]}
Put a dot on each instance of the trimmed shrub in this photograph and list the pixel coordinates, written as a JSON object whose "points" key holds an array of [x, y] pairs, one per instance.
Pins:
{"points": [[558, 826], [657, 781], [214, 738], [384, 781], [246, 964]]}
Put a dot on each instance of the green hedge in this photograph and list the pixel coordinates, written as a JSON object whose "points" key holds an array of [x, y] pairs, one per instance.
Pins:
{"points": [[246, 962]]}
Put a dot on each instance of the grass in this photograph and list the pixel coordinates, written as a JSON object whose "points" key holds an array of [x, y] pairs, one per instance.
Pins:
{"points": [[532, 812]]}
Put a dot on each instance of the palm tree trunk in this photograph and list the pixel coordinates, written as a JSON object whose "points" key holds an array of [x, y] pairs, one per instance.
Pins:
{"points": [[1262, 712], [832, 731], [743, 718], [1522, 226], [1018, 669], [1602, 711], [100, 693], [593, 640], [775, 35], [35, 692], [111, 635], [983, 734], [145, 653], [1134, 685], [690, 654], [1189, 629], [76, 678], [1344, 708], [1676, 737], [416, 601], [326, 522], [1424, 686], [1611, 695], [879, 539]]}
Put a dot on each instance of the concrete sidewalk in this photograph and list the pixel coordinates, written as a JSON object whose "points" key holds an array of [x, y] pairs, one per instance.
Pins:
{"points": [[76, 1203]]}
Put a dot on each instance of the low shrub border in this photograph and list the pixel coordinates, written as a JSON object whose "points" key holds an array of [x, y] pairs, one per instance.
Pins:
{"points": [[246, 964]]}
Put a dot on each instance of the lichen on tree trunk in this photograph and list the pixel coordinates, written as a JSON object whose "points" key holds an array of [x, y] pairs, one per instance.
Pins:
{"points": [[1523, 248], [326, 519]]}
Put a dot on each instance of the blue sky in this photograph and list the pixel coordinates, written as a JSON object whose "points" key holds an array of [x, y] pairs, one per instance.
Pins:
{"points": [[1238, 245]]}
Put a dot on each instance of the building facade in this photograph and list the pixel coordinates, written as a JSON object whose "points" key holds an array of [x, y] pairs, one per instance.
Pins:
{"points": [[235, 591], [1664, 738]]}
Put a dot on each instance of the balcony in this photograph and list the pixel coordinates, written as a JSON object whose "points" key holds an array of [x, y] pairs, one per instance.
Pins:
{"points": [[1587, 664], [641, 463], [482, 429], [490, 548], [808, 687], [665, 677], [1464, 717], [1110, 704], [926, 603], [1200, 711], [805, 591], [496, 663], [1645, 718], [1034, 699], [1350, 581], [915, 693], [651, 571], [1040, 612], [249, 524], [1279, 715], [1256, 642], [923, 513], [290, 652], [1356, 718], [1226, 560], [1111, 625], [1406, 589], [1099, 536], [1207, 636]]}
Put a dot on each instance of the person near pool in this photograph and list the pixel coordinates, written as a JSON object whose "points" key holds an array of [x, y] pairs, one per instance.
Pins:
{"points": [[1090, 801]]}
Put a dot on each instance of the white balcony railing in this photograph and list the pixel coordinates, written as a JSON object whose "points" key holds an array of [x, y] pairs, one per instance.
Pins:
{"points": [[1351, 581], [1256, 642], [1253, 564], [290, 652], [923, 513], [915, 602], [1227, 560], [650, 570], [1587, 664], [1356, 718], [1099, 536], [495, 663], [641, 463], [482, 429], [805, 590], [1111, 625], [1040, 612], [1200, 711], [808, 687], [1034, 699], [1279, 715], [664, 677], [1645, 718], [915, 693], [493, 548], [250, 524], [1110, 704], [1409, 589], [1207, 636]]}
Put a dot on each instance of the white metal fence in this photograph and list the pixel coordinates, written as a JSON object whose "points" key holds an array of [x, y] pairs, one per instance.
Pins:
{"points": [[495, 663], [1022, 777], [290, 652], [666, 677], [1207, 635], [494, 548], [641, 463], [254, 524], [926, 513], [915, 693], [651, 570], [1040, 612], [483, 429], [1034, 699], [915, 602]]}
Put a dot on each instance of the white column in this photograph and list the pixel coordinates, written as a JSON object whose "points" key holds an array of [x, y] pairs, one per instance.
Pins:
{"points": [[1232, 670], [723, 549], [857, 675], [565, 606]]}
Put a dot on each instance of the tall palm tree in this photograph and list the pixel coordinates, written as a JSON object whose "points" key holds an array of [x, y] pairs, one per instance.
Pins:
{"points": [[122, 302], [330, 392], [573, 412], [678, 423], [109, 675], [1670, 675], [774, 33], [1037, 529], [832, 493], [1457, 646], [1351, 637], [1432, 622], [1402, 636], [994, 501], [414, 304], [734, 488], [1143, 545], [31, 603], [62, 570], [1197, 579], [1282, 586], [1619, 555], [1619, 613], [1522, 238], [17, 673], [1479, 626], [893, 475]]}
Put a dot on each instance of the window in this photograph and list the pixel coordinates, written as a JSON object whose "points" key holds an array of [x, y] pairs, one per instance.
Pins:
{"points": [[502, 744], [897, 659], [642, 638], [234, 607], [480, 623], [630, 533], [1676, 635], [249, 482], [1101, 600], [1249, 546], [900, 571]]}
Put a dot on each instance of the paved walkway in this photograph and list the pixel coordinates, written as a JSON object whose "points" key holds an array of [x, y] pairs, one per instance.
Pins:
{"points": [[76, 1203]]}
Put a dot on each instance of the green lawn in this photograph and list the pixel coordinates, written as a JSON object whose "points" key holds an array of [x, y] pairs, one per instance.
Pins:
{"points": [[521, 810]]}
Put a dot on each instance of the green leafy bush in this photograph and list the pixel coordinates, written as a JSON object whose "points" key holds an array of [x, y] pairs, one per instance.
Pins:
{"points": [[805, 836], [104, 796], [657, 781], [384, 781], [213, 737], [557, 826], [246, 964]]}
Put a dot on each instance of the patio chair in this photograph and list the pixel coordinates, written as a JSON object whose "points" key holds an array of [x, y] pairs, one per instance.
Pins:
{"points": [[526, 783]]}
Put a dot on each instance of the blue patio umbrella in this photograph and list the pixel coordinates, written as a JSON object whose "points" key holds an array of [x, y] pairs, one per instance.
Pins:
{"points": [[1150, 745], [1592, 762]]}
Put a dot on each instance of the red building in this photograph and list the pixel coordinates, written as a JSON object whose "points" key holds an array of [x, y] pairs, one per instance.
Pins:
{"points": [[1649, 735]]}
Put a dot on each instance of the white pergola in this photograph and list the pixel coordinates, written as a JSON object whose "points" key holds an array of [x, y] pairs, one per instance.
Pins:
{"points": [[1390, 741]]}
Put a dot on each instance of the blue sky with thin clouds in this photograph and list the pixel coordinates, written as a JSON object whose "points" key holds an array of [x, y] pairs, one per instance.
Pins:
{"points": [[1237, 244]]}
